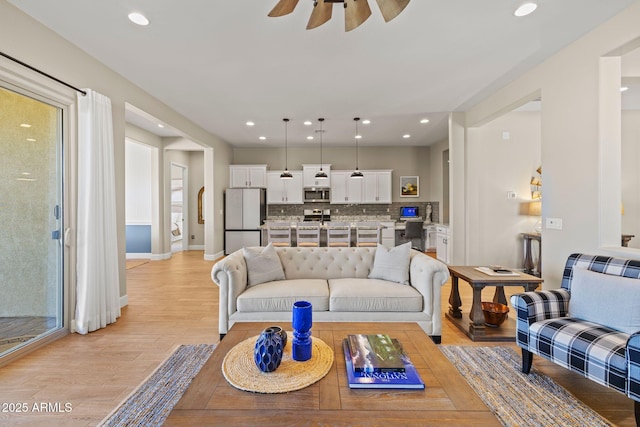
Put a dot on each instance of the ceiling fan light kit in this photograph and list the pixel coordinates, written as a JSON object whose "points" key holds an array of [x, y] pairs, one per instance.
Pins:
{"points": [[356, 12]]}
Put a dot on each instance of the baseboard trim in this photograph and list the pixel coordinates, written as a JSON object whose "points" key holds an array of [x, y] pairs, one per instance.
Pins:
{"points": [[208, 257], [124, 300], [138, 255], [160, 257], [196, 247]]}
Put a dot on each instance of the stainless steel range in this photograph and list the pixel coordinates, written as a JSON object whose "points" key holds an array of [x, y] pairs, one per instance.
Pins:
{"points": [[322, 215]]}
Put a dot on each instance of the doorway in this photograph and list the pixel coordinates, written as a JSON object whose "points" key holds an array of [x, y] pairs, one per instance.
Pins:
{"points": [[179, 206], [31, 214]]}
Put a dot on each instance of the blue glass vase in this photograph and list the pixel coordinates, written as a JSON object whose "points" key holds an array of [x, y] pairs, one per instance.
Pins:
{"points": [[267, 352], [301, 322]]}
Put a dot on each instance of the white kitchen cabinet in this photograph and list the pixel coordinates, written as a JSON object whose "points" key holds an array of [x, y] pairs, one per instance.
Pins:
{"points": [[431, 237], [246, 176], [344, 189], [284, 191], [309, 176], [388, 234], [443, 250], [377, 186]]}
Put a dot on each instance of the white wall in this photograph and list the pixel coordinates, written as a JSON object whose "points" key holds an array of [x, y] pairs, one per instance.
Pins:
{"points": [[571, 145], [138, 184], [631, 175], [496, 166]]}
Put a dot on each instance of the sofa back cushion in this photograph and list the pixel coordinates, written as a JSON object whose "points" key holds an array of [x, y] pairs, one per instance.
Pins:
{"points": [[263, 265], [392, 264], [612, 301], [326, 263]]}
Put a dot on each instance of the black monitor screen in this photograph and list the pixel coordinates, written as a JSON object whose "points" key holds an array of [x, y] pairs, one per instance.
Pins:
{"points": [[409, 212]]}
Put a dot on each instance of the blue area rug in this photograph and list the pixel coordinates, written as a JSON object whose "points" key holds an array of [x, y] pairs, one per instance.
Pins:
{"points": [[151, 403], [515, 398]]}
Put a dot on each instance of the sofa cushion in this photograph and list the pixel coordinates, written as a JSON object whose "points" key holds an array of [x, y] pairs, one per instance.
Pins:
{"points": [[372, 295], [280, 295], [263, 265], [392, 264], [595, 351], [613, 301]]}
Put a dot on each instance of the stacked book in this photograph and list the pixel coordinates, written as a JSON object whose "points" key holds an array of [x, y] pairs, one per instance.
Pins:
{"points": [[378, 361]]}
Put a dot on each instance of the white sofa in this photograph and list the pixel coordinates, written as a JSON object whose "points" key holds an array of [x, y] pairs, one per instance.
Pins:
{"points": [[335, 280]]}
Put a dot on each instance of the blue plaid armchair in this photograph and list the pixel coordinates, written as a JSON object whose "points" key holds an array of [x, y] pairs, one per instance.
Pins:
{"points": [[605, 355]]}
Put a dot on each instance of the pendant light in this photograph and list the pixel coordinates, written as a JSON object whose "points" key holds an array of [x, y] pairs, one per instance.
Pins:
{"points": [[285, 173], [356, 173], [321, 173]]}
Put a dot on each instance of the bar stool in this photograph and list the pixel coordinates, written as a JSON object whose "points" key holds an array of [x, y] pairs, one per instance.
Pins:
{"points": [[338, 234], [367, 234], [279, 233], [308, 234]]}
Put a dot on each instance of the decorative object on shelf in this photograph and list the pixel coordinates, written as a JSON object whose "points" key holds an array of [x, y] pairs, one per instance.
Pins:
{"points": [[285, 173], [494, 313], [321, 173], [355, 11], [409, 186], [536, 185], [301, 322], [268, 350], [356, 173]]}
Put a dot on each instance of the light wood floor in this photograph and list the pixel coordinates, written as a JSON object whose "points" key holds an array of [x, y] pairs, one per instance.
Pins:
{"points": [[170, 303]]}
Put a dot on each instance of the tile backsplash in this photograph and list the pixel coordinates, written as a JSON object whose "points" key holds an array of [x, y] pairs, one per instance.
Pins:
{"points": [[364, 211]]}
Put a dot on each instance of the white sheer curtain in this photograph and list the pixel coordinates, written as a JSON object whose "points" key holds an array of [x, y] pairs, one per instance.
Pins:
{"points": [[98, 279]]}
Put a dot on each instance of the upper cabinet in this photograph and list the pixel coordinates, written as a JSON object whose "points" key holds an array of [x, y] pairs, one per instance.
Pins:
{"points": [[377, 186], [284, 191], [244, 176], [344, 189], [309, 176]]}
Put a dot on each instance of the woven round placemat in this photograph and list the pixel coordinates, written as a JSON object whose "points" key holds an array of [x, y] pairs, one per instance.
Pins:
{"points": [[240, 370]]}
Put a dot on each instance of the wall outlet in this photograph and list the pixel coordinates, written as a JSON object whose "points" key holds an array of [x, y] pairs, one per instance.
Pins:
{"points": [[511, 195], [554, 223], [193, 237]]}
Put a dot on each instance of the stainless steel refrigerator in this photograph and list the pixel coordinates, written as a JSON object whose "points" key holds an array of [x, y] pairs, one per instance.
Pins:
{"points": [[245, 210]]}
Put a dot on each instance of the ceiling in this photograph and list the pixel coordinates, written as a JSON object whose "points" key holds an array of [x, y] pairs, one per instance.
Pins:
{"points": [[223, 63]]}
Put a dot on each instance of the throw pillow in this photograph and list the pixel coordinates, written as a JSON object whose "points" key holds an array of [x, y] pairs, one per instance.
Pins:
{"points": [[263, 265], [393, 264], [609, 300]]}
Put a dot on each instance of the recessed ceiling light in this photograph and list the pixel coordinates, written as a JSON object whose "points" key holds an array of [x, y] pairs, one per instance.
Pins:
{"points": [[423, 121], [406, 136], [309, 137], [358, 136], [262, 138], [624, 88], [26, 173], [138, 18], [25, 125], [31, 140], [525, 9], [308, 123], [366, 122], [160, 125], [250, 123]]}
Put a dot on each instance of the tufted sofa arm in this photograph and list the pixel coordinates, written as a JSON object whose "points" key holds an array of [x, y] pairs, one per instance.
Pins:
{"points": [[633, 359], [230, 274], [428, 275], [535, 306]]}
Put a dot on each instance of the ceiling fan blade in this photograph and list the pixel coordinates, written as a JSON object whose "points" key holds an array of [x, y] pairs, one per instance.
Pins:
{"points": [[355, 13], [391, 8], [321, 14], [284, 7]]}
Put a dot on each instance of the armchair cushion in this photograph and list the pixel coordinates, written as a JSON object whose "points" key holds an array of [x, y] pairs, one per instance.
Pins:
{"points": [[595, 351], [597, 297]]}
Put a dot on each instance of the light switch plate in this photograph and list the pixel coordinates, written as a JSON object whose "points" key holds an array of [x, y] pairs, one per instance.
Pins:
{"points": [[554, 223]]}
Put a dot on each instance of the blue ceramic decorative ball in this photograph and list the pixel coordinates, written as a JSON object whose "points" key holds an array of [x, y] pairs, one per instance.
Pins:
{"points": [[267, 352]]}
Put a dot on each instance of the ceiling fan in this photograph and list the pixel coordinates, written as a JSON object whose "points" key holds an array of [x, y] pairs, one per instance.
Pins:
{"points": [[355, 13]]}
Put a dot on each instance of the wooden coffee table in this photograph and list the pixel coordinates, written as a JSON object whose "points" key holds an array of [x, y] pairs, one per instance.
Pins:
{"points": [[446, 400], [475, 327]]}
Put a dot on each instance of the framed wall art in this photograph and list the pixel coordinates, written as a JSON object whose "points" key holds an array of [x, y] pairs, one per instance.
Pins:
{"points": [[409, 186]]}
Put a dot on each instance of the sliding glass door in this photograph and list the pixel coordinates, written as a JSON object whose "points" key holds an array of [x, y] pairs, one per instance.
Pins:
{"points": [[31, 218]]}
